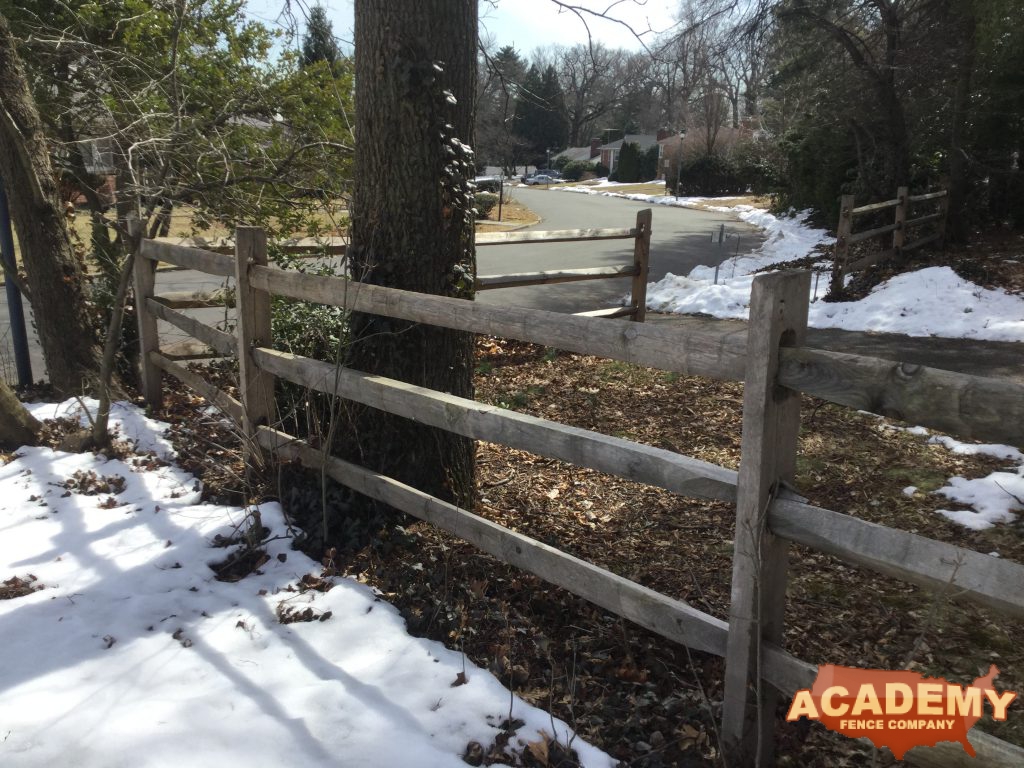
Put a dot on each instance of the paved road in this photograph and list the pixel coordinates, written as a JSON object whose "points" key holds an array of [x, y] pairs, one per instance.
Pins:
{"points": [[680, 241]]}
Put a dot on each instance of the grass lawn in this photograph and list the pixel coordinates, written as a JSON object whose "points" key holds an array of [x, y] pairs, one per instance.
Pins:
{"points": [[513, 215]]}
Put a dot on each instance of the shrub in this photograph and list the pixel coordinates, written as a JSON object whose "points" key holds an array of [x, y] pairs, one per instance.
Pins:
{"points": [[574, 171], [312, 330], [758, 165], [629, 168], [706, 175], [649, 164], [485, 202], [488, 185], [601, 170]]}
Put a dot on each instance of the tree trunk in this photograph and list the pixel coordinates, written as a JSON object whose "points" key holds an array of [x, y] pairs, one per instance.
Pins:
{"points": [[412, 223], [17, 426], [959, 222], [56, 280]]}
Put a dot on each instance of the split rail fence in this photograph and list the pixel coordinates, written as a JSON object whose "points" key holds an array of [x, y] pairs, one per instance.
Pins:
{"points": [[901, 205], [637, 270], [775, 368]]}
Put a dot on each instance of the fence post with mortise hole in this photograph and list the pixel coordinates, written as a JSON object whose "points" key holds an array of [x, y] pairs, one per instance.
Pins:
{"points": [[642, 262], [771, 426]]}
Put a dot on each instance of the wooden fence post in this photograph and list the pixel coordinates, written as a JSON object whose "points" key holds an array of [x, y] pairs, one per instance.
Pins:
{"points": [[944, 210], [771, 425], [642, 262], [149, 339], [899, 235], [842, 251], [253, 328]]}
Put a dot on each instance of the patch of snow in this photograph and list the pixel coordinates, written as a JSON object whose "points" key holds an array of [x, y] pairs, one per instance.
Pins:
{"points": [[933, 301], [126, 421], [994, 499], [968, 449], [133, 654]]}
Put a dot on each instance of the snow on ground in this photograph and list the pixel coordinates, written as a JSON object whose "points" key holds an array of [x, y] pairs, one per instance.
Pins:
{"points": [[933, 301], [994, 498], [132, 654]]}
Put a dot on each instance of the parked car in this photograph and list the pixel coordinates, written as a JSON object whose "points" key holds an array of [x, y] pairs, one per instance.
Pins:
{"points": [[540, 178], [488, 183], [542, 172]]}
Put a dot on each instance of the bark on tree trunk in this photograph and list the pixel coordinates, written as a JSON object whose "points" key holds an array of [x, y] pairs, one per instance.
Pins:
{"points": [[412, 223], [17, 426], [958, 225], [56, 280]]}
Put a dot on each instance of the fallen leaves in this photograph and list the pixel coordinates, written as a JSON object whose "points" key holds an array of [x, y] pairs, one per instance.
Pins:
{"points": [[15, 587], [88, 483], [291, 614], [645, 700]]}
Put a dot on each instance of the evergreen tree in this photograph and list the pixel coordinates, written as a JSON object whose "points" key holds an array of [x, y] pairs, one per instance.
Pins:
{"points": [[319, 43], [501, 76], [540, 117], [628, 168]]}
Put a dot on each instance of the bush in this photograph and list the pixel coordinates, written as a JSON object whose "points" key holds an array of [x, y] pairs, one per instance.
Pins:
{"points": [[574, 171], [488, 185], [312, 330], [629, 168], [649, 164], [601, 170], [484, 203], [758, 165], [706, 175]]}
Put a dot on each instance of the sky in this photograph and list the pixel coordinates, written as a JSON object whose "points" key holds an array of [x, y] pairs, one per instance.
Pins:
{"points": [[524, 24]]}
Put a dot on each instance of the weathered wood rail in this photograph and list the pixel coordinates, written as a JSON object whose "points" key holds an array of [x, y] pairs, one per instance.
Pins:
{"points": [[769, 516], [216, 260], [900, 226]]}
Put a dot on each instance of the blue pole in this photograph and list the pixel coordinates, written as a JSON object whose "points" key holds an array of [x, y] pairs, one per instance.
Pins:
{"points": [[18, 335]]}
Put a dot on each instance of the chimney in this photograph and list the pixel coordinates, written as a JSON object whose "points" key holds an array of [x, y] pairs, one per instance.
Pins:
{"points": [[664, 133], [595, 148]]}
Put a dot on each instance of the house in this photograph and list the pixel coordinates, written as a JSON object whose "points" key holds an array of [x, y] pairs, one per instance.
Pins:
{"points": [[724, 141], [581, 154], [610, 152]]}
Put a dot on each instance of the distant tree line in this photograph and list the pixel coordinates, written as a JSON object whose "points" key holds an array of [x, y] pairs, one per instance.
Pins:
{"points": [[809, 99]]}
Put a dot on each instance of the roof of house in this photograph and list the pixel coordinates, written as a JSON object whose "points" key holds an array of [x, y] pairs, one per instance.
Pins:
{"points": [[576, 154], [643, 140]]}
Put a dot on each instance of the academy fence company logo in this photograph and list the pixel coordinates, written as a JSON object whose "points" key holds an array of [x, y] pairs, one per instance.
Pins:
{"points": [[898, 710]]}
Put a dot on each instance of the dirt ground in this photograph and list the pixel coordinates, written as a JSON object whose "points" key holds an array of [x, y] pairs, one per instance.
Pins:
{"points": [[648, 701]]}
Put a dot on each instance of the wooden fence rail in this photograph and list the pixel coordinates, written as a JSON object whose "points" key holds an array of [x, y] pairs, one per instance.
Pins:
{"points": [[769, 515], [845, 236], [215, 260]]}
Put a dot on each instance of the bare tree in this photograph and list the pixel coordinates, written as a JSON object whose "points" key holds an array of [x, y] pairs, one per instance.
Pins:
{"points": [[590, 78]]}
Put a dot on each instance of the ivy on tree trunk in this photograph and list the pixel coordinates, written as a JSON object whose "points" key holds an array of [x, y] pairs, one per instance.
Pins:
{"points": [[413, 224]]}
